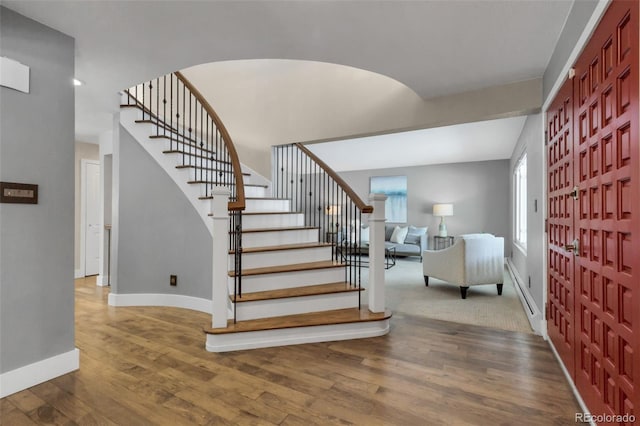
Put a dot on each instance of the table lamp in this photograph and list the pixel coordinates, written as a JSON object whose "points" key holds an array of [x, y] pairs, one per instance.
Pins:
{"points": [[442, 210]]}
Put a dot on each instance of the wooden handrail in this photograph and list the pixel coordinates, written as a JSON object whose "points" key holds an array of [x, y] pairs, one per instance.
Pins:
{"points": [[239, 202], [364, 208]]}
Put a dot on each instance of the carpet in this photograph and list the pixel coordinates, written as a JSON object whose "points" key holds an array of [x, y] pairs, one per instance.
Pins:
{"points": [[407, 294]]}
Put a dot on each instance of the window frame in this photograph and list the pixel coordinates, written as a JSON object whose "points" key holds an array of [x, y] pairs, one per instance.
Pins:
{"points": [[520, 203]]}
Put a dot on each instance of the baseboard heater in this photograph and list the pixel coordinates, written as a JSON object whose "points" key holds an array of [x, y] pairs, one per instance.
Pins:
{"points": [[518, 282]]}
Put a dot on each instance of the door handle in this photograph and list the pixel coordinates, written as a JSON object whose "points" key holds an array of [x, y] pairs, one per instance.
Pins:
{"points": [[574, 247], [574, 193]]}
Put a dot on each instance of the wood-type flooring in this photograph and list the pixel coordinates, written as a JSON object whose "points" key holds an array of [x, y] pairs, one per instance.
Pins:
{"points": [[148, 366]]}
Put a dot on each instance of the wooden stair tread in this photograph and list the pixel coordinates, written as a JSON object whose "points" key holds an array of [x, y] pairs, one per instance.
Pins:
{"points": [[265, 198], [293, 267], [282, 247], [182, 142], [285, 228], [194, 182], [191, 166], [311, 290], [338, 316], [191, 154], [267, 213]]}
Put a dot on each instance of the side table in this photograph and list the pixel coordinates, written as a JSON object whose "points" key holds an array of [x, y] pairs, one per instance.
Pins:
{"points": [[440, 243]]}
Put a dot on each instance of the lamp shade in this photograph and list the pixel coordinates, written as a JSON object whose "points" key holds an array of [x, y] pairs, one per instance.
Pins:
{"points": [[443, 209]]}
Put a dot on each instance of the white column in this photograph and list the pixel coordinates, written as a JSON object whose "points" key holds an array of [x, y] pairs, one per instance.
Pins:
{"points": [[220, 290], [106, 157], [376, 253]]}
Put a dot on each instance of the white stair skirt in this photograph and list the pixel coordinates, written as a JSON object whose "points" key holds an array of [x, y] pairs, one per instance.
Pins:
{"points": [[295, 336]]}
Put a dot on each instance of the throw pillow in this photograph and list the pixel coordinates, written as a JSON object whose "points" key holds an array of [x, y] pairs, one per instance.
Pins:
{"points": [[399, 234], [364, 235], [414, 234], [388, 231]]}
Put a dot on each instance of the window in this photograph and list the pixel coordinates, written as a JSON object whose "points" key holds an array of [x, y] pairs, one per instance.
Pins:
{"points": [[520, 199]]}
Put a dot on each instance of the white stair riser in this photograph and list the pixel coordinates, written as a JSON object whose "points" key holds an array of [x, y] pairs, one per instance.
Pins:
{"points": [[295, 305], [276, 238], [295, 336], [282, 257], [196, 175], [272, 220], [267, 205], [256, 191], [266, 282]]}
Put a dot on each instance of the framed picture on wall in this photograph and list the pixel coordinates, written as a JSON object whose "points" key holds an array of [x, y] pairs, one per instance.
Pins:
{"points": [[395, 188]]}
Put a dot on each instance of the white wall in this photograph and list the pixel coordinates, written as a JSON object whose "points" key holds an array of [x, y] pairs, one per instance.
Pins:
{"points": [[273, 102], [479, 192], [529, 263]]}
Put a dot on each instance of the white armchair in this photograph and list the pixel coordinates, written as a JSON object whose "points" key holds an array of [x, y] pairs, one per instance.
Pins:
{"points": [[472, 260]]}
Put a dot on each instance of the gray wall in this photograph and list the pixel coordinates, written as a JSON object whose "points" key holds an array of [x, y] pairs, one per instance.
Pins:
{"points": [[36, 241], [530, 263], [160, 232], [579, 15], [479, 192]]}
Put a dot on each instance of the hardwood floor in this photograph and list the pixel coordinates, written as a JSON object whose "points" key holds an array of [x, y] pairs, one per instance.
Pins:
{"points": [[142, 366]]}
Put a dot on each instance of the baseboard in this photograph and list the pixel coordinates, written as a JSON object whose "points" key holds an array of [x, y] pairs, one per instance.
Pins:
{"points": [[78, 274], [102, 281], [167, 300], [33, 374], [572, 385], [535, 317]]}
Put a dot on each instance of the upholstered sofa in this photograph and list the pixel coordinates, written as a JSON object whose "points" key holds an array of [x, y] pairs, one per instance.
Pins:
{"points": [[473, 259], [408, 241]]}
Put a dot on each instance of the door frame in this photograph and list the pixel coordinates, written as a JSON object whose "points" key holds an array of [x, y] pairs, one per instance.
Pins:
{"points": [[83, 210]]}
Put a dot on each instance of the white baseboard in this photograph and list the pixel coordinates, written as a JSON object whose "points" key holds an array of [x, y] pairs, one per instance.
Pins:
{"points": [[168, 300], [33, 374], [295, 336], [535, 317], [102, 280], [78, 274], [572, 385]]}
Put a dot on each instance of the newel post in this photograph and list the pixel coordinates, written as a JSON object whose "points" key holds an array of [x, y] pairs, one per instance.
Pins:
{"points": [[220, 262], [376, 253]]}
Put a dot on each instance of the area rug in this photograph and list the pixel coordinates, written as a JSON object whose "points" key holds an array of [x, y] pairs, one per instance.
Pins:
{"points": [[407, 294]]}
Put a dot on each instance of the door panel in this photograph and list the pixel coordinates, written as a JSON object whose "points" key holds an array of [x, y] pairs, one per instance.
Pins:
{"points": [[603, 279], [560, 204]]}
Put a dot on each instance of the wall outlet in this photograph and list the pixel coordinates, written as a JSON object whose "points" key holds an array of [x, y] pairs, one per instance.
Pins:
{"points": [[173, 280]]}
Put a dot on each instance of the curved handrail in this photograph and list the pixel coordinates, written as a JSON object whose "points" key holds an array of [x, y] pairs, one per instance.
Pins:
{"points": [[239, 202], [364, 208]]}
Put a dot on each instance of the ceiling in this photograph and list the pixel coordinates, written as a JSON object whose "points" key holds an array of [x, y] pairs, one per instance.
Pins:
{"points": [[435, 48], [479, 141]]}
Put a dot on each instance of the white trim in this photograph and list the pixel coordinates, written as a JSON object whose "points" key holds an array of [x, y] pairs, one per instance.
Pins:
{"points": [[78, 274], [102, 281], [535, 318], [166, 300], [598, 12], [572, 385], [33, 374], [83, 211], [294, 336]]}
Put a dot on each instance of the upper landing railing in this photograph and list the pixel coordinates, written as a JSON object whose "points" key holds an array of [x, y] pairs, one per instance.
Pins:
{"points": [[183, 116]]}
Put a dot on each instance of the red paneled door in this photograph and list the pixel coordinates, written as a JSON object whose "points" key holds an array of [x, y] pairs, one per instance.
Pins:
{"points": [[603, 281], [560, 202]]}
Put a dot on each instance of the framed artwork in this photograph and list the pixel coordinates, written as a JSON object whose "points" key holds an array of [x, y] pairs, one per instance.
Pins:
{"points": [[395, 188]]}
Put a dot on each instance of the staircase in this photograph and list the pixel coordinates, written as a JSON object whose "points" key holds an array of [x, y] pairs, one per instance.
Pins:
{"points": [[288, 283]]}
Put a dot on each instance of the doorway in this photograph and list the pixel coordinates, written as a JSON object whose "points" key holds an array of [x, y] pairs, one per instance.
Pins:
{"points": [[90, 217]]}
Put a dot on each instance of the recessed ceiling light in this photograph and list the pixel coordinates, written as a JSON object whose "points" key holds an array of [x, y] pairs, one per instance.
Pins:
{"points": [[77, 82]]}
